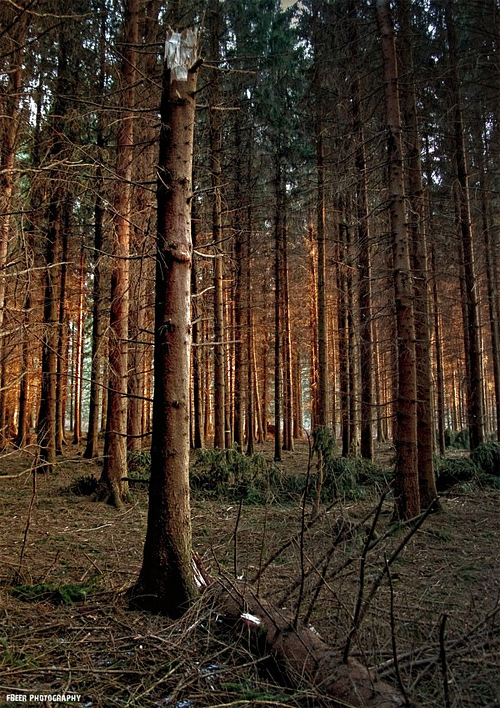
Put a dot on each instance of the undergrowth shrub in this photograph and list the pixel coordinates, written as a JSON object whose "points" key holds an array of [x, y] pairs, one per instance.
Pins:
{"points": [[456, 439], [231, 474], [345, 476], [234, 476], [453, 471], [351, 476], [83, 486], [487, 457], [139, 464]]}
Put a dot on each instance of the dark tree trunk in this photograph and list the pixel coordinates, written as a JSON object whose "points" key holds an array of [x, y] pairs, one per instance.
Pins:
{"points": [[418, 256], [406, 489], [471, 323], [47, 416], [278, 255], [166, 582], [196, 350], [364, 248]]}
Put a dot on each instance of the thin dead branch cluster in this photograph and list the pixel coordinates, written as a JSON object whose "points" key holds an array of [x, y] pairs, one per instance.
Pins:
{"points": [[430, 630]]}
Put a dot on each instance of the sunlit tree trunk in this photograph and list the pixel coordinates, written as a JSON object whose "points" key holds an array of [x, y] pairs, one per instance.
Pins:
{"points": [[197, 372], [217, 236], [112, 487], [10, 95], [79, 344], [249, 319]]}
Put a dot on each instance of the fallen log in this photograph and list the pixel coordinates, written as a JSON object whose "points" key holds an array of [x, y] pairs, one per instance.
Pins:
{"points": [[301, 654]]}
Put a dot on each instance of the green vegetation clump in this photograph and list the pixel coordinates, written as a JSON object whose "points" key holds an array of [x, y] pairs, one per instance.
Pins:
{"points": [[456, 470], [57, 594], [234, 476], [229, 474], [481, 468], [487, 457], [83, 486], [345, 476], [139, 464], [456, 439]]}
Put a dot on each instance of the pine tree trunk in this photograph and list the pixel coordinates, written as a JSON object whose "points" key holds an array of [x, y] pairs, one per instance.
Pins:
{"points": [[47, 415], [364, 249], [111, 485], [198, 438], [471, 320], [343, 342], [249, 320], [313, 331], [77, 427], [217, 236], [287, 350], [491, 284], [16, 20], [440, 404], [406, 489], [278, 255], [418, 257], [166, 582], [96, 375]]}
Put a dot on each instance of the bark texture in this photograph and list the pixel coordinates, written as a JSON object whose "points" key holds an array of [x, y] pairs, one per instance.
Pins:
{"points": [[302, 654], [406, 490], [166, 582]]}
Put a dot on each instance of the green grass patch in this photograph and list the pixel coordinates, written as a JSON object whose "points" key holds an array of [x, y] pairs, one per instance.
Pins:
{"points": [[66, 594]]}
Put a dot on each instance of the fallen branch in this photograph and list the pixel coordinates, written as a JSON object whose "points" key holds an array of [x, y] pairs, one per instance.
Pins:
{"points": [[300, 653]]}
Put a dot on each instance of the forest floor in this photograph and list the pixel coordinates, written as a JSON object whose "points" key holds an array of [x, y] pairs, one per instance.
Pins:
{"points": [[65, 627]]}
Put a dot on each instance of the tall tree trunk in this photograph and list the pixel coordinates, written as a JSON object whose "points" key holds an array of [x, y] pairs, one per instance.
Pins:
{"points": [[9, 124], [25, 404], [472, 324], [418, 257], [287, 348], [196, 357], [364, 249], [491, 284], [278, 270], [216, 175], [63, 336], [249, 320], [47, 415], [96, 373], [343, 341], [351, 343], [406, 487], [112, 487], [79, 345], [166, 581], [439, 358], [135, 384], [313, 330]]}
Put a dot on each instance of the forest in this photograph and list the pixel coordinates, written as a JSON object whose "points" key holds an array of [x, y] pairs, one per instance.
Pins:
{"points": [[250, 348]]}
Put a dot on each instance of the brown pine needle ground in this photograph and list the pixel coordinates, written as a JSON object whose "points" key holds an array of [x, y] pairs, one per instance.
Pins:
{"points": [[74, 633]]}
